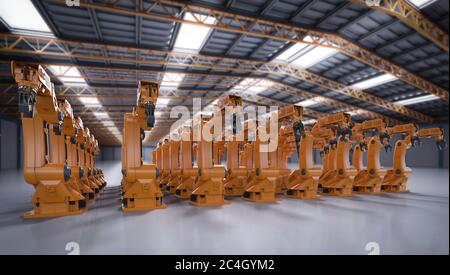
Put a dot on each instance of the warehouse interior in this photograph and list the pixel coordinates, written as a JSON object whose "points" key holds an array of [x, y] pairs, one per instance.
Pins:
{"points": [[377, 60]]}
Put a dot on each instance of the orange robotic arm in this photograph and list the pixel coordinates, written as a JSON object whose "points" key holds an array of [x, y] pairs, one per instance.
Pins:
{"points": [[89, 160], [235, 176], [291, 131], [81, 140], [90, 153], [208, 187], [140, 192], [337, 181], [360, 147], [436, 133], [396, 178], [369, 180], [42, 120], [70, 129], [188, 171], [165, 164], [174, 162]]}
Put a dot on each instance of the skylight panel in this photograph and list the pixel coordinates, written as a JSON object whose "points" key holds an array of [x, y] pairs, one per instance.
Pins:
{"points": [[162, 102], [90, 101], [417, 100], [307, 103], [101, 115], [21, 15], [191, 37], [68, 75], [254, 85], [108, 124], [375, 81], [314, 56], [171, 80], [420, 4], [291, 52]]}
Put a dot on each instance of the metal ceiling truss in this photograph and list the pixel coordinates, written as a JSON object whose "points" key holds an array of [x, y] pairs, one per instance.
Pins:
{"points": [[86, 91], [48, 47], [63, 92], [412, 17], [172, 11], [138, 75], [273, 102]]}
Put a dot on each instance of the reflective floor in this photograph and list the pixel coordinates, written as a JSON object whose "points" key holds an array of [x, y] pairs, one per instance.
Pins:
{"points": [[413, 223]]}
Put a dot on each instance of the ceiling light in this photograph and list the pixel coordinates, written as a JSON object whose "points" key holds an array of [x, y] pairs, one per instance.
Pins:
{"points": [[314, 56], [191, 37], [375, 81], [21, 15], [416, 100]]}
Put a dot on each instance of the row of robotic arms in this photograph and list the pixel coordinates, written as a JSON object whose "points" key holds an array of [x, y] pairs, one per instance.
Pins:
{"points": [[58, 150], [194, 171], [59, 155]]}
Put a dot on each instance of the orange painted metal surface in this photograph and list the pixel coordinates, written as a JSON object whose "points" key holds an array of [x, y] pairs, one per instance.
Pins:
{"points": [[140, 190]]}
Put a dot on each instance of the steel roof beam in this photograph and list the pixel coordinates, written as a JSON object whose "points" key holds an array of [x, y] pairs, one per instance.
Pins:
{"points": [[40, 46], [411, 17], [377, 30], [356, 20], [288, 89], [302, 9], [277, 86], [333, 12], [227, 21], [267, 6]]}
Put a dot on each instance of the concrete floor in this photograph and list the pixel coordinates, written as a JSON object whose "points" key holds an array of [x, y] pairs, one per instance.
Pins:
{"points": [[413, 223]]}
